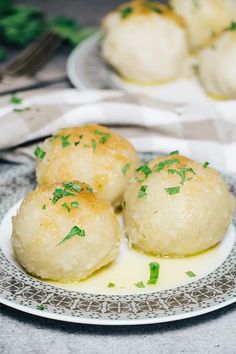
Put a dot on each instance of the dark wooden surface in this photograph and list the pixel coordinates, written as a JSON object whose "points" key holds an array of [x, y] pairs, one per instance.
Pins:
{"points": [[86, 12]]}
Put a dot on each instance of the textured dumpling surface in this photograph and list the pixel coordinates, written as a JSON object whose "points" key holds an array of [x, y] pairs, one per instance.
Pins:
{"points": [[65, 232], [217, 69], [146, 46], [92, 154], [205, 18], [176, 207]]}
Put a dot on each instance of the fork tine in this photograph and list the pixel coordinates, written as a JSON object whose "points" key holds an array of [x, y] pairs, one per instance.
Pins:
{"points": [[33, 65], [33, 54], [27, 52], [39, 54]]}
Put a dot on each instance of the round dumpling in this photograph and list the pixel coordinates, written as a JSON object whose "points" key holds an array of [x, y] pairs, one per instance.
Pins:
{"points": [[217, 68], [65, 232], [176, 207], [204, 19], [145, 42], [92, 154]]}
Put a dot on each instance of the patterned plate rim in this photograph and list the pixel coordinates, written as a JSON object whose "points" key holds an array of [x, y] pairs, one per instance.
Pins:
{"points": [[25, 293]]}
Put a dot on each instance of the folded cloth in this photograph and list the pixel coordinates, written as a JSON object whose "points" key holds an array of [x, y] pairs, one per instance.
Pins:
{"points": [[204, 131]]}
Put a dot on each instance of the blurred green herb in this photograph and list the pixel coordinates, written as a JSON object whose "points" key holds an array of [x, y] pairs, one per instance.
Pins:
{"points": [[75, 231], [232, 26], [15, 99], [140, 284], [126, 11], [3, 53], [69, 30], [22, 24]]}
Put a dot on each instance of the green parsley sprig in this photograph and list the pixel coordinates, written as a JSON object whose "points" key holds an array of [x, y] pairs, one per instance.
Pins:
{"points": [[142, 192], [154, 268], [125, 168], [126, 11], [140, 284], [39, 153], [145, 170], [165, 163], [75, 231]]}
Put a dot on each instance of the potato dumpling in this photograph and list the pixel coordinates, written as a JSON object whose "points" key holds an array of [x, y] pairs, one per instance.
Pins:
{"points": [[65, 232], [92, 154], [204, 19], [177, 207], [145, 42], [217, 70]]}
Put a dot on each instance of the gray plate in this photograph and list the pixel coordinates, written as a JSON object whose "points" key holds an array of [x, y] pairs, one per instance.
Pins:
{"points": [[19, 290]]}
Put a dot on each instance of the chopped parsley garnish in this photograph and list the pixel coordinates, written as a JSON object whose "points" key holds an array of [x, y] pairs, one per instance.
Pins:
{"points": [[139, 180], [164, 163], [39, 153], [44, 206], [111, 285], [190, 274], [89, 189], [153, 6], [60, 193], [94, 145], [98, 132], [75, 205], [182, 173], [232, 26], [66, 206], [172, 190], [126, 11], [154, 273], [16, 99], [40, 307], [125, 168], [86, 145], [140, 284], [72, 186], [124, 204], [75, 231], [205, 165], [78, 141], [19, 110], [142, 192], [145, 169], [63, 138], [104, 137], [176, 152], [171, 170]]}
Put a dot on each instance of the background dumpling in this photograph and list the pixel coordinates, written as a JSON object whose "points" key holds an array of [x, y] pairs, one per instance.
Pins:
{"points": [[205, 18], [217, 70], [92, 154], [145, 42], [176, 207], [65, 232]]}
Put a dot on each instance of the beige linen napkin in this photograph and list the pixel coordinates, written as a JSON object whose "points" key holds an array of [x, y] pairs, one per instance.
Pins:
{"points": [[204, 131]]}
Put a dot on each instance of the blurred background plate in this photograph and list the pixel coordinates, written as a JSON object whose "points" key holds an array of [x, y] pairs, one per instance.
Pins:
{"points": [[87, 69]]}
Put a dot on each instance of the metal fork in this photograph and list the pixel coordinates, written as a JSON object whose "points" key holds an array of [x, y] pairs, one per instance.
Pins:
{"points": [[33, 57]]}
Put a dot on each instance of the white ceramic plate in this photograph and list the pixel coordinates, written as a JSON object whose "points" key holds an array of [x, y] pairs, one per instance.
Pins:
{"points": [[86, 69], [175, 296]]}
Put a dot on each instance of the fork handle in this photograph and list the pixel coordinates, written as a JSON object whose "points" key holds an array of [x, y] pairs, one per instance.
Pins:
{"points": [[37, 85]]}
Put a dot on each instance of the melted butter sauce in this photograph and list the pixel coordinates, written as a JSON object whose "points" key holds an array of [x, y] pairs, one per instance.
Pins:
{"points": [[132, 266]]}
